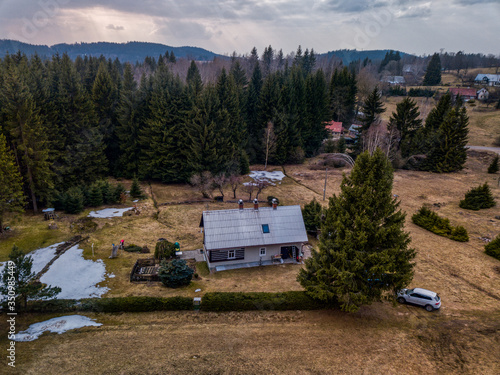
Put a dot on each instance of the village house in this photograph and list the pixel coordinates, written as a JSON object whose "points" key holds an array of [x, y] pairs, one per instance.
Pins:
{"points": [[465, 93], [483, 94], [249, 237], [334, 128], [488, 79]]}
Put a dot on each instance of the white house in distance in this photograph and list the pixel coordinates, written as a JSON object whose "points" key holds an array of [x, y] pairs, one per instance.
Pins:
{"points": [[249, 237], [488, 79]]}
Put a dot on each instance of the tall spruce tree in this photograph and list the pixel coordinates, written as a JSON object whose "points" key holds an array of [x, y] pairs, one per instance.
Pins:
{"points": [[363, 250], [12, 198], [343, 92], [407, 122], [372, 109], [433, 73], [449, 149]]}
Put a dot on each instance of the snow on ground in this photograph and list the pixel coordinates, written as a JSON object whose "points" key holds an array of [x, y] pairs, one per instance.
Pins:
{"points": [[59, 325], [265, 176], [76, 276], [109, 212]]}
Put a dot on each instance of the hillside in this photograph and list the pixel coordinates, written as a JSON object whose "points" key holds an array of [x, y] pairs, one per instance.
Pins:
{"points": [[130, 51]]}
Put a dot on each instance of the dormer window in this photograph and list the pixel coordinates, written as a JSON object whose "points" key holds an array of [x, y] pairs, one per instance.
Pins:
{"points": [[265, 228]]}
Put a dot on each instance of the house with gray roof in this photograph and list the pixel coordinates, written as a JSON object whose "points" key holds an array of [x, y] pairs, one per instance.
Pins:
{"points": [[248, 237], [488, 79]]}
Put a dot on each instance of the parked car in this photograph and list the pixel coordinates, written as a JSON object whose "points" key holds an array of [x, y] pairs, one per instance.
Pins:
{"points": [[420, 297]]}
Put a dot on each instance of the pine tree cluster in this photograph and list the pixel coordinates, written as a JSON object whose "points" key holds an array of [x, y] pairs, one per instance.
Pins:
{"points": [[478, 198]]}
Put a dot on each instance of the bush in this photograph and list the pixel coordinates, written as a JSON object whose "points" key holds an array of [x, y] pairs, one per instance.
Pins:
{"points": [[478, 198], [136, 304], [164, 250], [133, 248], [494, 167], [493, 248], [431, 221], [415, 92], [459, 234], [175, 274], [238, 301], [396, 91]]}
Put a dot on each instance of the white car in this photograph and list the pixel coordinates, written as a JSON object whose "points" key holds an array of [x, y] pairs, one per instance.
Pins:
{"points": [[421, 297]]}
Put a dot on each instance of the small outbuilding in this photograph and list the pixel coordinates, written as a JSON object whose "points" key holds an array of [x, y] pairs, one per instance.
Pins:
{"points": [[256, 236]]}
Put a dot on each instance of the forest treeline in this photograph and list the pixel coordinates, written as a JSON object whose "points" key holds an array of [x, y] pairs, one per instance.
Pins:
{"points": [[70, 123]]}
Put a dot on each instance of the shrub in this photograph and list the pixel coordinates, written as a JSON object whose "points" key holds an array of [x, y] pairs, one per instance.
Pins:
{"points": [[396, 91], [238, 301], [164, 250], [175, 274], [431, 221], [493, 248], [133, 248], [494, 167], [414, 92], [136, 304], [84, 225], [459, 234], [478, 198]]}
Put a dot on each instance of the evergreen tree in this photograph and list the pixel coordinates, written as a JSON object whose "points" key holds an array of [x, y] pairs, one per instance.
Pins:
{"points": [[252, 113], [363, 250], [193, 79], [175, 274], [316, 112], [12, 198], [433, 73], [449, 150], [406, 121], [311, 214], [95, 195], [135, 189], [25, 132], [74, 200], [494, 167], [478, 198], [25, 285], [372, 108], [342, 93]]}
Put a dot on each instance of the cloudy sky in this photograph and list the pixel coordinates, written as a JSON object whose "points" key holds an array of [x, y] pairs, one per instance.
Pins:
{"points": [[224, 26]]}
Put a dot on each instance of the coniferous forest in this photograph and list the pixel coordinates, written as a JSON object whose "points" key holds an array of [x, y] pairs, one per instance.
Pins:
{"points": [[69, 124]]}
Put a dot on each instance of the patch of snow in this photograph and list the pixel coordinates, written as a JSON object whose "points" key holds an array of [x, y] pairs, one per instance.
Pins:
{"points": [[137, 200], [109, 213], [40, 258], [59, 325], [267, 176], [76, 276], [111, 275]]}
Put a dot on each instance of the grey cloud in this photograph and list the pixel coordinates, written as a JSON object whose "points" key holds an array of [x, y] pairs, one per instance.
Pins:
{"points": [[183, 30], [476, 2], [113, 27]]}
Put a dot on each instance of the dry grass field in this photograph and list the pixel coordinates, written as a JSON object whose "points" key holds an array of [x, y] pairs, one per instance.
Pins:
{"points": [[462, 338]]}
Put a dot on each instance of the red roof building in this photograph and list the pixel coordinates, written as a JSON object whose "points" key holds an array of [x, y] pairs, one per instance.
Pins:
{"points": [[334, 127], [466, 94]]}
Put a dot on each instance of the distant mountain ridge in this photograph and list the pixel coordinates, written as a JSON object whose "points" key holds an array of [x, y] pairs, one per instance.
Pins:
{"points": [[130, 51], [348, 55], [137, 51]]}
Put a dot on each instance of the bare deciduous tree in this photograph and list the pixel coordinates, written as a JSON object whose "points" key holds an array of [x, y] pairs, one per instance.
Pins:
{"points": [[248, 188], [234, 181], [204, 183], [261, 185], [220, 181]]}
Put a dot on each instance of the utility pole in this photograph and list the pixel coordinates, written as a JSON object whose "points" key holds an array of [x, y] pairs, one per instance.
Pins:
{"points": [[324, 189]]}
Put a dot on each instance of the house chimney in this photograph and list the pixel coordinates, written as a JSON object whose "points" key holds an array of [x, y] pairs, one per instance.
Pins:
{"points": [[240, 204], [275, 204], [255, 204]]}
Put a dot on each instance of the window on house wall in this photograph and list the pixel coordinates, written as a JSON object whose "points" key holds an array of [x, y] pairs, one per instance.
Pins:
{"points": [[265, 228], [231, 254], [262, 251]]}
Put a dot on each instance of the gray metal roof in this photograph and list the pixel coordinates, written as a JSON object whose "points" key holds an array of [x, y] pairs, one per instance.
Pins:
{"points": [[226, 229]]}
